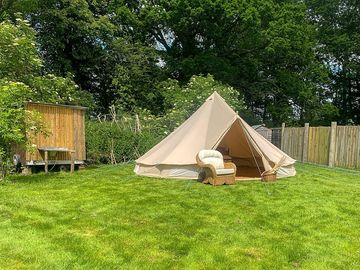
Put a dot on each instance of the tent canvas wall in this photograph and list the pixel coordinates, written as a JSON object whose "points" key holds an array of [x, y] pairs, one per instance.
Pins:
{"points": [[213, 126]]}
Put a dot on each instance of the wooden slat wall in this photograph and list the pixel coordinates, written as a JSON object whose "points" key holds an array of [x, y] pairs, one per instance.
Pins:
{"points": [[67, 130], [347, 149], [318, 145], [293, 142], [347, 145], [79, 134]]}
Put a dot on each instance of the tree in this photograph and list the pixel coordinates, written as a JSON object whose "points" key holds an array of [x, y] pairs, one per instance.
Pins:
{"points": [[72, 38], [182, 101], [84, 38], [17, 124], [262, 48], [18, 55], [135, 76], [120, 50], [20, 62], [338, 31]]}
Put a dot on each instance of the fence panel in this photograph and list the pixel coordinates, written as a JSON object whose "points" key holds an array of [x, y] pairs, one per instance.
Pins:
{"points": [[346, 144], [347, 149], [318, 145], [293, 142]]}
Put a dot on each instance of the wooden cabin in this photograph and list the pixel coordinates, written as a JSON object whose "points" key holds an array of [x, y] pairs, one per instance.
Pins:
{"points": [[66, 143]]}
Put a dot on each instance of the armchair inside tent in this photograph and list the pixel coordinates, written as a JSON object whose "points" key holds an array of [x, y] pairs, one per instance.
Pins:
{"points": [[214, 170]]}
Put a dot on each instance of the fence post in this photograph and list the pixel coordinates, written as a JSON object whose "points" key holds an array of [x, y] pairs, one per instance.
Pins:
{"points": [[332, 144], [305, 143], [282, 136]]}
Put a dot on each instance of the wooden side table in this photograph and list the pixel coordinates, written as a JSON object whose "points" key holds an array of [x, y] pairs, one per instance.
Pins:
{"points": [[46, 151]]}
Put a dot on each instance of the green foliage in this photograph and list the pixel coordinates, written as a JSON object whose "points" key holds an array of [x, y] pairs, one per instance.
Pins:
{"points": [[17, 124], [5, 164], [120, 50], [135, 76], [264, 49], [20, 62], [12, 114], [189, 97], [338, 34], [181, 102], [75, 37], [115, 142], [18, 55], [53, 89], [278, 55]]}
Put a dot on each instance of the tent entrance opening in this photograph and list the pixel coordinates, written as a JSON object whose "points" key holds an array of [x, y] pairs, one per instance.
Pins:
{"points": [[236, 148]]}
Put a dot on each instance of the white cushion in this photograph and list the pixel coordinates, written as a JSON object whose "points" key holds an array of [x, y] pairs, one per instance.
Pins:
{"points": [[212, 157], [224, 171]]}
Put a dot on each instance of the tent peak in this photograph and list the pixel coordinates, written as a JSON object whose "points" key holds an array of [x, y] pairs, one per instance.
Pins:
{"points": [[215, 95], [215, 98]]}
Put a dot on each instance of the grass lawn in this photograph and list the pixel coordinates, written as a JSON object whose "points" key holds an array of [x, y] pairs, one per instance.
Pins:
{"points": [[107, 218]]}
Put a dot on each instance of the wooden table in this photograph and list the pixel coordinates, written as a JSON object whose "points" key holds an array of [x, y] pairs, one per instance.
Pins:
{"points": [[46, 151]]}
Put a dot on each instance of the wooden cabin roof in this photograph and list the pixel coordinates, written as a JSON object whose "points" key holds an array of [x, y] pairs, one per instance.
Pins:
{"points": [[59, 105]]}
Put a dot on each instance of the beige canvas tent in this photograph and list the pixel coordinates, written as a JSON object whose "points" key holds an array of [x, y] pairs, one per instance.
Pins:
{"points": [[214, 126]]}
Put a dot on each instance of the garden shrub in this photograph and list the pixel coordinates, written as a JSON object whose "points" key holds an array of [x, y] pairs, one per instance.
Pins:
{"points": [[110, 142]]}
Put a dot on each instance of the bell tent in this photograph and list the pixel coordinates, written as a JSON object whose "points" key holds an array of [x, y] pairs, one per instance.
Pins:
{"points": [[214, 126]]}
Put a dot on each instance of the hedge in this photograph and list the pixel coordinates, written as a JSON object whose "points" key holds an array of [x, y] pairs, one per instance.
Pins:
{"points": [[109, 142]]}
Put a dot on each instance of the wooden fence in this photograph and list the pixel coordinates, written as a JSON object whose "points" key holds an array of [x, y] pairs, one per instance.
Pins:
{"points": [[333, 146]]}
